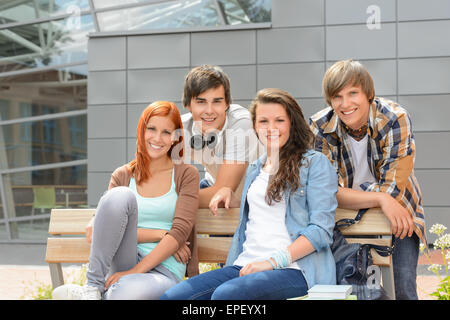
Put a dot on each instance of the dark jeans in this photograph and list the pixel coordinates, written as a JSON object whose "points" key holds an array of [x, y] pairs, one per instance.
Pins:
{"points": [[204, 184], [404, 259], [226, 284]]}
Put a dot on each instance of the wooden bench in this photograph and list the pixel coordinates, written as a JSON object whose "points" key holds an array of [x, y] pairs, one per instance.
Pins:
{"points": [[63, 247]]}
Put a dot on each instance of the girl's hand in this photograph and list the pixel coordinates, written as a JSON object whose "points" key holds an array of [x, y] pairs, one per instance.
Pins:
{"points": [[255, 267], [183, 254], [89, 230], [115, 277]]}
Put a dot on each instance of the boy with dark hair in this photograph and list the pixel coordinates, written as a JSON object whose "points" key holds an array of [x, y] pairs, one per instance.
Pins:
{"points": [[218, 134]]}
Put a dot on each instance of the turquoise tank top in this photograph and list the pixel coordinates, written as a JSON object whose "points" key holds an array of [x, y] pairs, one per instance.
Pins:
{"points": [[158, 213]]}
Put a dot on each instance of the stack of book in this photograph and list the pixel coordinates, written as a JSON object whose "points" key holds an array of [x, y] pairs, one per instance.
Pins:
{"points": [[328, 292]]}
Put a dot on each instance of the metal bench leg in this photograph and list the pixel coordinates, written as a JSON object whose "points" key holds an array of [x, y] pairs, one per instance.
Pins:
{"points": [[387, 276], [56, 274]]}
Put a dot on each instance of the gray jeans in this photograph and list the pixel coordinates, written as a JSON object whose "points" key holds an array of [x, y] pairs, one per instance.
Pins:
{"points": [[114, 249]]}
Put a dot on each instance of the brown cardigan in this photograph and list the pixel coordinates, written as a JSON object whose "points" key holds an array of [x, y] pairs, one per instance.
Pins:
{"points": [[183, 226]]}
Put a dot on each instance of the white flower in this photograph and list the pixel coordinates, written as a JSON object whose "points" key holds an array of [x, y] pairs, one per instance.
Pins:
{"points": [[434, 268], [438, 229], [422, 247], [443, 242]]}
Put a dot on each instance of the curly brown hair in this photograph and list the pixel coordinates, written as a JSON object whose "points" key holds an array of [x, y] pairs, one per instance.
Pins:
{"points": [[287, 178]]}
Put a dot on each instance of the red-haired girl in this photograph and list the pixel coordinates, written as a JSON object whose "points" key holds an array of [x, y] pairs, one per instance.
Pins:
{"points": [[142, 235]]}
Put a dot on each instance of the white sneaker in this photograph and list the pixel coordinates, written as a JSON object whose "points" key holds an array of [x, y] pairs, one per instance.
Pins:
{"points": [[76, 292]]}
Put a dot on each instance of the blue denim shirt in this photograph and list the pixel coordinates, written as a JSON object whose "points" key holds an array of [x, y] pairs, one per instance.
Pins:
{"points": [[310, 211]]}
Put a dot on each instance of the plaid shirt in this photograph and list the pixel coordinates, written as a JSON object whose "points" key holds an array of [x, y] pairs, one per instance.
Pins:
{"points": [[390, 154]]}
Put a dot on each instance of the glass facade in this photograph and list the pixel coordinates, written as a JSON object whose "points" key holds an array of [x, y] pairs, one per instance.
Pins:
{"points": [[43, 93], [44, 44], [13, 11], [145, 15]]}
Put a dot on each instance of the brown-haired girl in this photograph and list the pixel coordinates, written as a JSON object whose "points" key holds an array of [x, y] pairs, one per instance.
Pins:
{"points": [[282, 244]]}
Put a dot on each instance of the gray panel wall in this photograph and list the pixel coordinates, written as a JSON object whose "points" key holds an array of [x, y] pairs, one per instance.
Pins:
{"points": [[407, 53]]}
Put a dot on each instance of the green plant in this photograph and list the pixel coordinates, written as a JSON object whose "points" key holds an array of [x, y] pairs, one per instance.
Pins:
{"points": [[78, 276], [205, 267], [442, 243], [38, 290]]}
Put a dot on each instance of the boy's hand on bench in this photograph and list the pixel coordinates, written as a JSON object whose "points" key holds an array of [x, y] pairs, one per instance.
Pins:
{"points": [[401, 221], [224, 197]]}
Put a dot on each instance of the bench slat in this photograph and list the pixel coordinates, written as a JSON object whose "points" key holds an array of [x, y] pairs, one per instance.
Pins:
{"points": [[213, 250], [73, 221], [373, 222], [69, 221], [67, 250], [224, 223]]}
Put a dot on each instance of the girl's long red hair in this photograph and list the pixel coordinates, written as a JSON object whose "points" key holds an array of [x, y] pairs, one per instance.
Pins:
{"points": [[139, 166]]}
